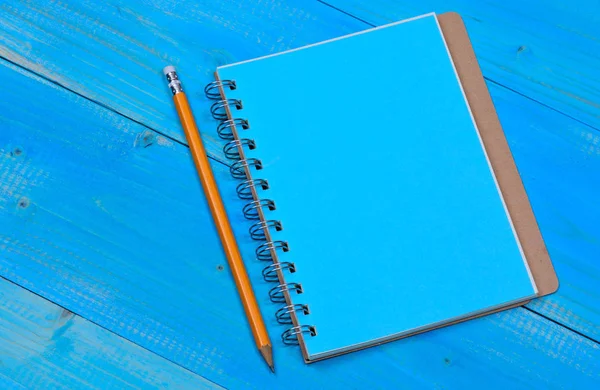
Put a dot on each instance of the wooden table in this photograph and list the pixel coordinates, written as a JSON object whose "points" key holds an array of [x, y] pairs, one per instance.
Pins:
{"points": [[101, 213]]}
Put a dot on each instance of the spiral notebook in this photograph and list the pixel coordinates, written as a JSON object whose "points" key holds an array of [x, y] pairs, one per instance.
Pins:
{"points": [[380, 186]]}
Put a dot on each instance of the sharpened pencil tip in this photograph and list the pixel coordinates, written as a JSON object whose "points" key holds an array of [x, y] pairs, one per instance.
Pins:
{"points": [[267, 353]]}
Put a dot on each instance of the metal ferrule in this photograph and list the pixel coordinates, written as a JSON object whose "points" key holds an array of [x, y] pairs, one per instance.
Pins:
{"points": [[174, 83]]}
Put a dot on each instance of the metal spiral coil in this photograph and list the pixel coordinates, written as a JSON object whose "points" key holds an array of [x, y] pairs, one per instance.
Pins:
{"points": [[244, 189], [270, 271], [257, 230], [237, 168], [227, 129], [224, 129], [263, 252], [276, 293], [251, 209], [231, 148], [213, 90], [290, 336], [283, 315], [218, 108]]}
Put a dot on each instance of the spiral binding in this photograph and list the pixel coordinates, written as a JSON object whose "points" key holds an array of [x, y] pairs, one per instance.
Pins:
{"points": [[290, 336], [244, 189], [283, 315], [270, 271], [250, 210], [264, 252], [218, 108], [213, 90], [224, 129], [257, 230], [231, 148], [276, 294], [238, 168], [257, 208]]}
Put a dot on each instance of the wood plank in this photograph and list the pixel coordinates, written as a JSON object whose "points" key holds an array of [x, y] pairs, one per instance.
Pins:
{"points": [[43, 345], [112, 225], [559, 161], [10, 384], [113, 52], [68, 53], [545, 49]]}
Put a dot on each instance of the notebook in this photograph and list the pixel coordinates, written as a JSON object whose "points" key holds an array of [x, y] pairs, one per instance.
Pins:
{"points": [[381, 190]]}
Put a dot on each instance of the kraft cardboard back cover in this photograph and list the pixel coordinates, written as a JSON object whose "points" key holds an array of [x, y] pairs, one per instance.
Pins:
{"points": [[499, 153]]}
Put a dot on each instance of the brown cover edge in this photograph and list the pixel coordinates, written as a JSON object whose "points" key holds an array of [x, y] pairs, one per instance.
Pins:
{"points": [[499, 153]]}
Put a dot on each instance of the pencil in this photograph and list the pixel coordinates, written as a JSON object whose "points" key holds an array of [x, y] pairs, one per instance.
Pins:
{"points": [[217, 209]]}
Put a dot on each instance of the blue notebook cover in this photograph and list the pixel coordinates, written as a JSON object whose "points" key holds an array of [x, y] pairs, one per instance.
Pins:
{"points": [[394, 219]]}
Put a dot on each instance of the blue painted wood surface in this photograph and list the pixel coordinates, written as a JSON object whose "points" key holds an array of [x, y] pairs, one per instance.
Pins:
{"points": [[113, 52], [67, 53], [43, 345], [105, 215]]}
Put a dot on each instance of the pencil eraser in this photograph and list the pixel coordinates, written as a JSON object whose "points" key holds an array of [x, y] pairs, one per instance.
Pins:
{"points": [[168, 69]]}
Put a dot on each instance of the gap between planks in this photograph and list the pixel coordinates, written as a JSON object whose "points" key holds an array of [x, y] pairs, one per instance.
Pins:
{"points": [[68, 316], [562, 325]]}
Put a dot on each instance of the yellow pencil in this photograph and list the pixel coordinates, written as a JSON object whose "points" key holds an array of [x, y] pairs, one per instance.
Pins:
{"points": [[217, 209]]}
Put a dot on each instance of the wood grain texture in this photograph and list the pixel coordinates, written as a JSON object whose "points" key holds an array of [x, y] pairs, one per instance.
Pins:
{"points": [[43, 345], [10, 384], [113, 52], [559, 162], [545, 49], [107, 219], [92, 206]]}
